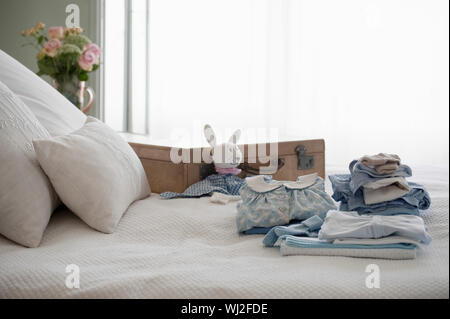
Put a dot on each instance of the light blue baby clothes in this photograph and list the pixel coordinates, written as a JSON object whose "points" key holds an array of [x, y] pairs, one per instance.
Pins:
{"points": [[320, 243], [308, 228], [226, 184], [339, 225], [397, 248], [362, 174], [417, 198], [266, 202], [265, 230]]}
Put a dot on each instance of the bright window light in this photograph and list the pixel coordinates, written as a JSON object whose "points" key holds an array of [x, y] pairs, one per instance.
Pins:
{"points": [[114, 59], [138, 61], [367, 76]]}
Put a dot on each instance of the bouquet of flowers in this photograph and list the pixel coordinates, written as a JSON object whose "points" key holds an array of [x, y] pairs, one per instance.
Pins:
{"points": [[64, 54]]}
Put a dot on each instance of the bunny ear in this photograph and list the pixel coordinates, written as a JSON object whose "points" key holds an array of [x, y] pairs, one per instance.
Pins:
{"points": [[235, 137], [209, 134]]}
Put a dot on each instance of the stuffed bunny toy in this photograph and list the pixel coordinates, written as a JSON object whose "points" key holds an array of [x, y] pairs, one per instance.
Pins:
{"points": [[226, 156]]}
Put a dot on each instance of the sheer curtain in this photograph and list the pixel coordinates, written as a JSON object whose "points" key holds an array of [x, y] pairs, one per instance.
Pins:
{"points": [[368, 76]]}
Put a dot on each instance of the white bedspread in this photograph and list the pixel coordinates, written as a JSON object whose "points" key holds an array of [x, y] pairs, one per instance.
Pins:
{"points": [[189, 248]]}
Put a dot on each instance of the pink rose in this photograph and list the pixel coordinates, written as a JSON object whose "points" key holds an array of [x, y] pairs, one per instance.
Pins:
{"points": [[52, 46], [55, 32], [87, 60], [94, 48]]}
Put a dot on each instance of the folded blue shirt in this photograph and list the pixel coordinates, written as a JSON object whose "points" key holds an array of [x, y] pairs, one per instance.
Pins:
{"points": [[265, 230], [308, 228], [417, 198], [362, 174]]}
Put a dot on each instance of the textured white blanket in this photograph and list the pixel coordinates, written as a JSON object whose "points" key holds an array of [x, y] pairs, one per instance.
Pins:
{"points": [[189, 248]]}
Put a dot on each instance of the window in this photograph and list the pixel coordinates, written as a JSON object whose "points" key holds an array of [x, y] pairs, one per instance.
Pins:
{"points": [[114, 64], [367, 76]]}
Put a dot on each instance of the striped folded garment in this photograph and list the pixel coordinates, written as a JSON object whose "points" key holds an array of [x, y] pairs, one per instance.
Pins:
{"points": [[391, 247]]}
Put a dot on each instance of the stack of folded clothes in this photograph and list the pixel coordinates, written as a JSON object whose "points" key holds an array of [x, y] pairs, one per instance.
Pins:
{"points": [[266, 203], [353, 235], [378, 216], [377, 184]]}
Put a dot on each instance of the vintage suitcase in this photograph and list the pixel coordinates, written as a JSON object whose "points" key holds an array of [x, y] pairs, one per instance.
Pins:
{"points": [[294, 158]]}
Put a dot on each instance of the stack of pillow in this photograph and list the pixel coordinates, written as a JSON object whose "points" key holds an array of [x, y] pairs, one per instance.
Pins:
{"points": [[377, 185], [51, 153]]}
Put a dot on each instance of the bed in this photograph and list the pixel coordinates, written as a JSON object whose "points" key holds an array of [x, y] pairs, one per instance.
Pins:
{"points": [[189, 248]]}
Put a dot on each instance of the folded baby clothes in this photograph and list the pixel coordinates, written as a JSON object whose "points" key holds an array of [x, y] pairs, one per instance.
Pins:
{"points": [[265, 230], [345, 225], [226, 184], [362, 174], [378, 241], [267, 203], [417, 198], [383, 163], [385, 189], [308, 228], [396, 207], [379, 185], [394, 249]]}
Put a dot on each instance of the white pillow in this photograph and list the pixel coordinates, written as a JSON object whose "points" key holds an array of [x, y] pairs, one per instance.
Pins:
{"points": [[27, 198], [51, 108], [95, 173]]}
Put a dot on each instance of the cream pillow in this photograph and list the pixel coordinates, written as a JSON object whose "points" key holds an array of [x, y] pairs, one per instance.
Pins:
{"points": [[95, 173], [27, 198]]}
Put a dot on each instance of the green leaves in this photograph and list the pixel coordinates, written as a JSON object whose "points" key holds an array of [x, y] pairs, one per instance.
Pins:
{"points": [[78, 40], [67, 62], [83, 76], [47, 66]]}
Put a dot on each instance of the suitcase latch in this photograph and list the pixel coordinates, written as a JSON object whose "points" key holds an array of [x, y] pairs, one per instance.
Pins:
{"points": [[304, 161]]}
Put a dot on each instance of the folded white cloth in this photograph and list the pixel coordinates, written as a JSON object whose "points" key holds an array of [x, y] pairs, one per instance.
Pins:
{"points": [[378, 241], [339, 224], [385, 190]]}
